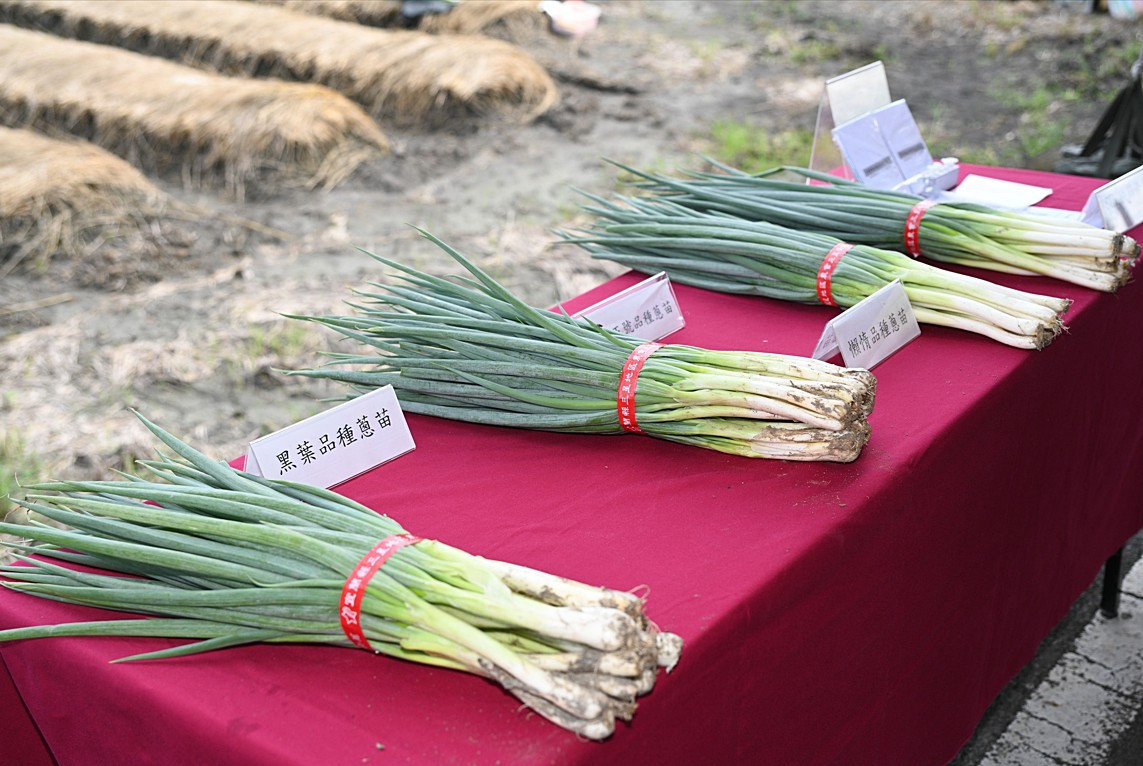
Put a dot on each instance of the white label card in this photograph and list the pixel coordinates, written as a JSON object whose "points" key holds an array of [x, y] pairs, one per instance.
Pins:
{"points": [[827, 347], [647, 310], [336, 445], [871, 331], [1118, 204]]}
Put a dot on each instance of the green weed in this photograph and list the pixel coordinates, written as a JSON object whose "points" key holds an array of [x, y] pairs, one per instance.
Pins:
{"points": [[18, 466], [285, 340], [1041, 127], [791, 11], [705, 50], [814, 52], [753, 148]]}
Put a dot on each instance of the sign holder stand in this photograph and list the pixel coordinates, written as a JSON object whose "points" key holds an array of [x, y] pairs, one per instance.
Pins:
{"points": [[846, 96]]}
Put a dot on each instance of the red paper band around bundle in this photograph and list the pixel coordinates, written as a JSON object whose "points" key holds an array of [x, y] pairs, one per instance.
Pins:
{"points": [[625, 402], [354, 590], [825, 271], [913, 227]]}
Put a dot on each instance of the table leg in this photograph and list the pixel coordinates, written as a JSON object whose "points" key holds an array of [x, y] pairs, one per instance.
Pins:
{"points": [[1109, 601]]}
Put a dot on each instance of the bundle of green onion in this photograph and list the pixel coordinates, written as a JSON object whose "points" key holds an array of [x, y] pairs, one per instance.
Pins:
{"points": [[720, 252], [229, 558], [475, 352], [953, 232]]}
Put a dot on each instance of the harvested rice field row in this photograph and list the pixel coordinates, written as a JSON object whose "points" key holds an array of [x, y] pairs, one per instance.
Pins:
{"points": [[464, 18], [169, 120], [399, 76], [64, 198]]}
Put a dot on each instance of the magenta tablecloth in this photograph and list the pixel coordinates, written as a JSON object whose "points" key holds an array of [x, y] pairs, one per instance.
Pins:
{"points": [[860, 614]]}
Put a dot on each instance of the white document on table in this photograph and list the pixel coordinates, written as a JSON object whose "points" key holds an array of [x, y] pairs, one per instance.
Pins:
{"points": [[994, 192]]}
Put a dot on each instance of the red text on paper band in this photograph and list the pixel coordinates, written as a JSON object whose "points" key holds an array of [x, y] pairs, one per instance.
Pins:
{"points": [[825, 271], [353, 592], [625, 401], [913, 227]]}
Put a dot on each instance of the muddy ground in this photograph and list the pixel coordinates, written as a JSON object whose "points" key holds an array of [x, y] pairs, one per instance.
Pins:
{"points": [[191, 334]]}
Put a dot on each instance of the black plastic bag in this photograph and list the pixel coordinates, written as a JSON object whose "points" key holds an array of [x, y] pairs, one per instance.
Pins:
{"points": [[1116, 144]]}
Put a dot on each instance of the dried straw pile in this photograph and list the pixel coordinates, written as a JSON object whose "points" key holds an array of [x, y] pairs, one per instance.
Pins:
{"points": [[61, 197], [470, 17], [397, 75], [168, 119]]}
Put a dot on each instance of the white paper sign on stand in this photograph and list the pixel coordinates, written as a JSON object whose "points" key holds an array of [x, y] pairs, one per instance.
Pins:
{"points": [[870, 331], [1118, 204], [647, 310], [906, 166], [884, 149], [888, 136], [335, 445]]}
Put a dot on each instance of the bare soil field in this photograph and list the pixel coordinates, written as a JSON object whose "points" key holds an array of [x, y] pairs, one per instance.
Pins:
{"points": [[190, 332]]}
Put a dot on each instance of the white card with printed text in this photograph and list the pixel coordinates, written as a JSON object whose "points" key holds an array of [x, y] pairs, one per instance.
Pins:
{"points": [[335, 445], [870, 331], [648, 310], [1118, 204]]}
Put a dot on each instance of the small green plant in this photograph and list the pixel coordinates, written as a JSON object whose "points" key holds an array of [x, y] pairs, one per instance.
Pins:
{"points": [[1115, 62], [753, 148], [1042, 126], [972, 154], [814, 51], [939, 131], [705, 50], [17, 466], [284, 340], [790, 11], [1002, 16], [621, 179]]}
